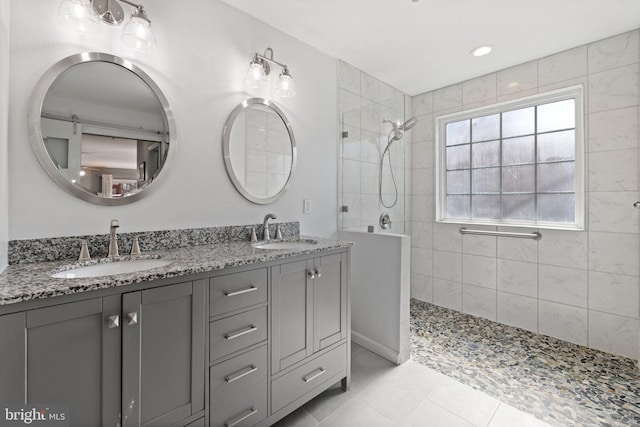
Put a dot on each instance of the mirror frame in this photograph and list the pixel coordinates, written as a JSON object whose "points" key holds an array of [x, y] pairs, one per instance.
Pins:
{"points": [[226, 136], [35, 130]]}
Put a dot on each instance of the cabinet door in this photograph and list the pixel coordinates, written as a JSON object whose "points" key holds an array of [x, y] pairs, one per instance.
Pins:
{"points": [[73, 359], [12, 350], [292, 315], [163, 365], [329, 300]]}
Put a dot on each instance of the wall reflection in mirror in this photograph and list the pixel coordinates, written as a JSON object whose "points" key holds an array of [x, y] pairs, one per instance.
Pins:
{"points": [[259, 150], [105, 131]]}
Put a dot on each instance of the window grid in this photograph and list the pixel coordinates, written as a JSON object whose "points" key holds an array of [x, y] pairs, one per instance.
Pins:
{"points": [[500, 166]]}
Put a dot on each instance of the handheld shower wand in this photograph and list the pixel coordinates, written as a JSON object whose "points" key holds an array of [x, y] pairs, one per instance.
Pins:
{"points": [[397, 131]]}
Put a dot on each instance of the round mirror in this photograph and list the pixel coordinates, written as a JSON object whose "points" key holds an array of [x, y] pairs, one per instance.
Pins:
{"points": [[101, 128], [259, 150]]}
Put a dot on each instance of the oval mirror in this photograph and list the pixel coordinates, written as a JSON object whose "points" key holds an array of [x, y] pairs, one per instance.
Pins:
{"points": [[259, 150], [101, 128]]}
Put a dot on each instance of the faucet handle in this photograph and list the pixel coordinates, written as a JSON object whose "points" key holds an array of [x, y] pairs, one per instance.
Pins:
{"points": [[278, 232], [115, 223], [252, 236], [84, 251], [135, 245]]}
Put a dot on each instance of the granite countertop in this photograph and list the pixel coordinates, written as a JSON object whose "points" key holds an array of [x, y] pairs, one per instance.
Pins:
{"points": [[25, 282]]}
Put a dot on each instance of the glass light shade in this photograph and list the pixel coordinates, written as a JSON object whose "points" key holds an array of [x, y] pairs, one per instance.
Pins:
{"points": [[137, 33], [255, 78], [78, 16], [285, 87]]}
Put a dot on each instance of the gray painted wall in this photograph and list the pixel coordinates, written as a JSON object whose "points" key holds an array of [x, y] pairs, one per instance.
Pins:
{"points": [[200, 63]]}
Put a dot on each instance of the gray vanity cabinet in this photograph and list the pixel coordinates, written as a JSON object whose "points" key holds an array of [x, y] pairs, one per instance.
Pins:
{"points": [[309, 330], [65, 355], [133, 359], [292, 314], [329, 301], [163, 365], [309, 308]]}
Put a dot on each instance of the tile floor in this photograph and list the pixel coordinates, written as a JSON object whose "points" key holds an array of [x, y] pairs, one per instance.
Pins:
{"points": [[411, 395]]}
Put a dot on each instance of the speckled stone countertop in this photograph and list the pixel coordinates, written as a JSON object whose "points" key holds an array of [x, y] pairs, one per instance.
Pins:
{"points": [[25, 282]]}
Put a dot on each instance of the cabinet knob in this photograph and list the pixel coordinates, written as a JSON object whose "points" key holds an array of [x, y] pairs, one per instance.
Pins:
{"points": [[311, 274], [132, 318], [114, 321], [318, 275]]}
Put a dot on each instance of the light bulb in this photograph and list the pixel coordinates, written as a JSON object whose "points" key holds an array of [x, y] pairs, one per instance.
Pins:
{"points": [[255, 78], [137, 33], [285, 87], [78, 16]]}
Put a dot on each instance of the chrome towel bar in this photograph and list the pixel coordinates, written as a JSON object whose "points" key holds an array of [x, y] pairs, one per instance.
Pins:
{"points": [[535, 235]]}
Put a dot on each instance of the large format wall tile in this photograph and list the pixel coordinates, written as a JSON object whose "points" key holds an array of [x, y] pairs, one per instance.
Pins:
{"points": [[518, 277], [562, 66], [613, 129], [479, 271], [614, 334], [611, 89], [614, 52], [479, 301], [614, 293], [562, 321], [614, 253], [517, 79], [518, 311], [562, 284]]}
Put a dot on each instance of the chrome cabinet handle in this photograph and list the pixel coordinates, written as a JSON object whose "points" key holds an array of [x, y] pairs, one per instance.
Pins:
{"points": [[132, 318], [251, 412], [239, 374], [240, 292], [318, 275], [311, 274], [636, 205], [313, 377], [114, 321], [240, 333]]}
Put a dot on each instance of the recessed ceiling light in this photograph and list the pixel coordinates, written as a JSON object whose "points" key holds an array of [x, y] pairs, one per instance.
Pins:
{"points": [[482, 50]]}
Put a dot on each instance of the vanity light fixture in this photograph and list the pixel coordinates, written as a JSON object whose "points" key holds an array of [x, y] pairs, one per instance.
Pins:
{"points": [[482, 50], [256, 77], [84, 16]]}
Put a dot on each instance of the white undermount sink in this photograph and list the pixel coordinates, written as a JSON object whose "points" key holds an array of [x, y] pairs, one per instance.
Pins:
{"points": [[110, 268], [286, 244]]}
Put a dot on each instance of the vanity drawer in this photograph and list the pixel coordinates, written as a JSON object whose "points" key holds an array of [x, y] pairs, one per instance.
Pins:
{"points": [[242, 409], [301, 380], [238, 373], [236, 291], [236, 332]]}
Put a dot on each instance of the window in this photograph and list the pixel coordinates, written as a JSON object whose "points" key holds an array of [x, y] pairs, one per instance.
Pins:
{"points": [[517, 163]]}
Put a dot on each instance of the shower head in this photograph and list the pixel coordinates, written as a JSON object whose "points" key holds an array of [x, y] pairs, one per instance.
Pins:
{"points": [[409, 124], [402, 127]]}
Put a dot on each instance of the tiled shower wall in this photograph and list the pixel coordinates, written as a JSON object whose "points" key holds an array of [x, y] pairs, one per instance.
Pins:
{"points": [[364, 102], [580, 286]]}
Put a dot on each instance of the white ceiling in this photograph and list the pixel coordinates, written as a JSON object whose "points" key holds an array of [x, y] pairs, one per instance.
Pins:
{"points": [[417, 47]]}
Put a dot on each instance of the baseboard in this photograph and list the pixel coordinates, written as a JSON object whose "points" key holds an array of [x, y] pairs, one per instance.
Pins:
{"points": [[374, 346]]}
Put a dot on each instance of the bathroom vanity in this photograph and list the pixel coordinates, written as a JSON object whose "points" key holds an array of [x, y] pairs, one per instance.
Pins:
{"points": [[225, 335]]}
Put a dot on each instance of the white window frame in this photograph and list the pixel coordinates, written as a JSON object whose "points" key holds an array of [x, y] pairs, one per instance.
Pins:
{"points": [[573, 92]]}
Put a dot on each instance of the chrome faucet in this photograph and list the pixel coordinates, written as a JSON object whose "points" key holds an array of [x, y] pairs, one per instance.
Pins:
{"points": [[265, 226], [113, 239]]}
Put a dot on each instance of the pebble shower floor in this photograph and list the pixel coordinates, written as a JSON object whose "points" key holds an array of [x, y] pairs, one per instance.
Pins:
{"points": [[558, 382]]}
